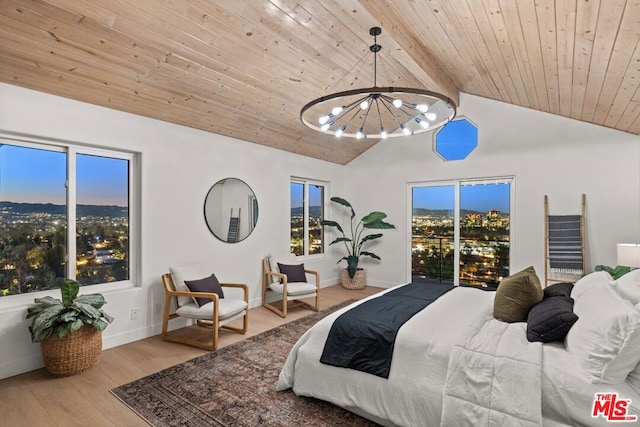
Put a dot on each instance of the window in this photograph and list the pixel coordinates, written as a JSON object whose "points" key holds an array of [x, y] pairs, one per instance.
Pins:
{"points": [[307, 210], [102, 219], [461, 232], [52, 196]]}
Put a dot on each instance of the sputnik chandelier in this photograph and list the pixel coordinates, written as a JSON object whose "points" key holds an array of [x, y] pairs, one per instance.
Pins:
{"points": [[378, 112]]}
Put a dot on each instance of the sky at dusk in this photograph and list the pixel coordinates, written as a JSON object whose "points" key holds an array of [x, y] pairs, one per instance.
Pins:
{"points": [[480, 197], [297, 196], [29, 175]]}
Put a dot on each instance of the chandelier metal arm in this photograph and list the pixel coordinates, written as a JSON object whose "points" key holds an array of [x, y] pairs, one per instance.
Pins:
{"points": [[391, 113], [365, 93], [375, 89], [402, 109], [354, 115], [350, 107], [360, 133], [379, 115]]}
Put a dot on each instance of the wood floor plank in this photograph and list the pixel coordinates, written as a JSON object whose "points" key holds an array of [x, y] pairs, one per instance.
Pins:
{"points": [[36, 399]]}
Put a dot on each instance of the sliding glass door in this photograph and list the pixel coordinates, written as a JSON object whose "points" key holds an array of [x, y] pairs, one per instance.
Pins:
{"points": [[461, 232], [484, 232], [433, 233]]}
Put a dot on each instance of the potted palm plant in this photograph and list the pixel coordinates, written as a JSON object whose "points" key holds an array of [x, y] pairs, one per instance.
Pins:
{"points": [[353, 277], [69, 330]]}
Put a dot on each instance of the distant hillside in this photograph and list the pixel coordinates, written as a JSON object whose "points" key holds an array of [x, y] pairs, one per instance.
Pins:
{"points": [[432, 212], [49, 208], [444, 212], [314, 211]]}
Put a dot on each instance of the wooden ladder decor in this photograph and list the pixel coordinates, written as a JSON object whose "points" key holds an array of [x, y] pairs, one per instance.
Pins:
{"points": [[234, 227]]}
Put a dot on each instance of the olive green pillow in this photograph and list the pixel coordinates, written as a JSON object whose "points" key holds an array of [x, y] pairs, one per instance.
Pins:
{"points": [[515, 296]]}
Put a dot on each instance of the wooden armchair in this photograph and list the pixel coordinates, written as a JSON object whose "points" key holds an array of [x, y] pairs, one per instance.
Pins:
{"points": [[292, 293], [210, 317]]}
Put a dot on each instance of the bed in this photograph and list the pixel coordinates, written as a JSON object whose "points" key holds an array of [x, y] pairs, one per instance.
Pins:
{"points": [[453, 363]]}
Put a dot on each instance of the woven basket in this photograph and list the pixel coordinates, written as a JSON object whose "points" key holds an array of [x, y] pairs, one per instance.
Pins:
{"points": [[358, 282], [72, 354]]}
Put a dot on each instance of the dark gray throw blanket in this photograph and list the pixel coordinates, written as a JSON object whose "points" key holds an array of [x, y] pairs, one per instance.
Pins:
{"points": [[565, 242], [363, 337]]}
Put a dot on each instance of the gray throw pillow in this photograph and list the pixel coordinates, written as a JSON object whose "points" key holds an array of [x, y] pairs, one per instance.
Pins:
{"points": [[550, 319], [558, 289], [208, 284], [294, 273]]}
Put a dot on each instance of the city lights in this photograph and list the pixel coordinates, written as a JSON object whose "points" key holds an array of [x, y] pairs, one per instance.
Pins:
{"points": [[484, 247]]}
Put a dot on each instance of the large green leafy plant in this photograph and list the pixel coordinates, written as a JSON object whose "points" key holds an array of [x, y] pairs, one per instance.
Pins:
{"points": [[357, 238], [615, 272], [63, 317]]}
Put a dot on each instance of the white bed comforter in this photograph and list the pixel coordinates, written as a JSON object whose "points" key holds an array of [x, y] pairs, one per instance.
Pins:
{"points": [[447, 337], [494, 379], [412, 395]]}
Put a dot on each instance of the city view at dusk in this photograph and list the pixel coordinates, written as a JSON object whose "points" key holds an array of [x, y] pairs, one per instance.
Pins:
{"points": [[314, 235], [34, 241], [484, 234]]}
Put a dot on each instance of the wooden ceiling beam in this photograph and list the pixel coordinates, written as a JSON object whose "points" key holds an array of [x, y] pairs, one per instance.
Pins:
{"points": [[399, 30]]}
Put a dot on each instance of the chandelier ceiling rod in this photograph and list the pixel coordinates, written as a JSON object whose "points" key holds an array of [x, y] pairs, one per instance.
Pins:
{"points": [[375, 48]]}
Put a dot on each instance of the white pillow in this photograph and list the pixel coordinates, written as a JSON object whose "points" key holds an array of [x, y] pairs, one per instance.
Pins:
{"points": [[605, 341], [628, 286], [586, 283], [634, 377], [190, 271]]}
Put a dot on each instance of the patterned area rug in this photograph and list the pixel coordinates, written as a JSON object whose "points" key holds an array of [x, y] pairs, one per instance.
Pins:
{"points": [[235, 386]]}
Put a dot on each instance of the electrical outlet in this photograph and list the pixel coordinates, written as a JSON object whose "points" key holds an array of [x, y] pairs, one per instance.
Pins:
{"points": [[134, 313], [156, 308]]}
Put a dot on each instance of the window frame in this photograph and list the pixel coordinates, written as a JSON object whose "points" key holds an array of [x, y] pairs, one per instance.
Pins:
{"points": [[305, 182], [456, 184], [71, 149]]}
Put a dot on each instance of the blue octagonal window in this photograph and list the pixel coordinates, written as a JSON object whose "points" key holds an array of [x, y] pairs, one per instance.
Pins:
{"points": [[456, 140]]}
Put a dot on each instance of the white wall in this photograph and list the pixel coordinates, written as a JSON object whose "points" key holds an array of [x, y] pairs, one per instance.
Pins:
{"points": [[546, 154], [178, 166]]}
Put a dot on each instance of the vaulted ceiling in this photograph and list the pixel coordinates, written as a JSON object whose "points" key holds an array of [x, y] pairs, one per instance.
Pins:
{"points": [[245, 68]]}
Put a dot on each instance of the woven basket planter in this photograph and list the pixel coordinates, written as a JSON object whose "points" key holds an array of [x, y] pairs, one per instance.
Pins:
{"points": [[359, 281], [72, 354]]}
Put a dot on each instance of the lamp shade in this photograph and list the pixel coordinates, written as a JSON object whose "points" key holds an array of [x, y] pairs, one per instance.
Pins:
{"points": [[629, 255]]}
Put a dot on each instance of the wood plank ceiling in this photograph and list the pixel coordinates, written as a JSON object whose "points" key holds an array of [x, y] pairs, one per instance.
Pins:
{"points": [[245, 68]]}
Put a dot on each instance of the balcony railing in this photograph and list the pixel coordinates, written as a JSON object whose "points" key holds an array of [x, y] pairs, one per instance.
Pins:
{"points": [[482, 262]]}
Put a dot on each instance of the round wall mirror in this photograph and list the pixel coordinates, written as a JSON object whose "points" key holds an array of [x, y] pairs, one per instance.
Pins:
{"points": [[231, 210]]}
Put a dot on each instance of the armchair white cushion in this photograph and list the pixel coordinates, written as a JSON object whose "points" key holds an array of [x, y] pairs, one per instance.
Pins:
{"points": [[211, 316], [227, 308], [275, 281], [294, 289]]}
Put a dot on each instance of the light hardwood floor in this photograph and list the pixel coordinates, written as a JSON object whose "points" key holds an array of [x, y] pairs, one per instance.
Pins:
{"points": [[37, 399]]}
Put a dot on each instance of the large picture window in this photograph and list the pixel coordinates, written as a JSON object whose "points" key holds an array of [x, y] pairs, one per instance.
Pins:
{"points": [[307, 211], [64, 213], [461, 232]]}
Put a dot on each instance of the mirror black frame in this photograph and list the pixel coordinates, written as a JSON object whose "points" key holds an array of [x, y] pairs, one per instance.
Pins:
{"points": [[220, 206]]}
